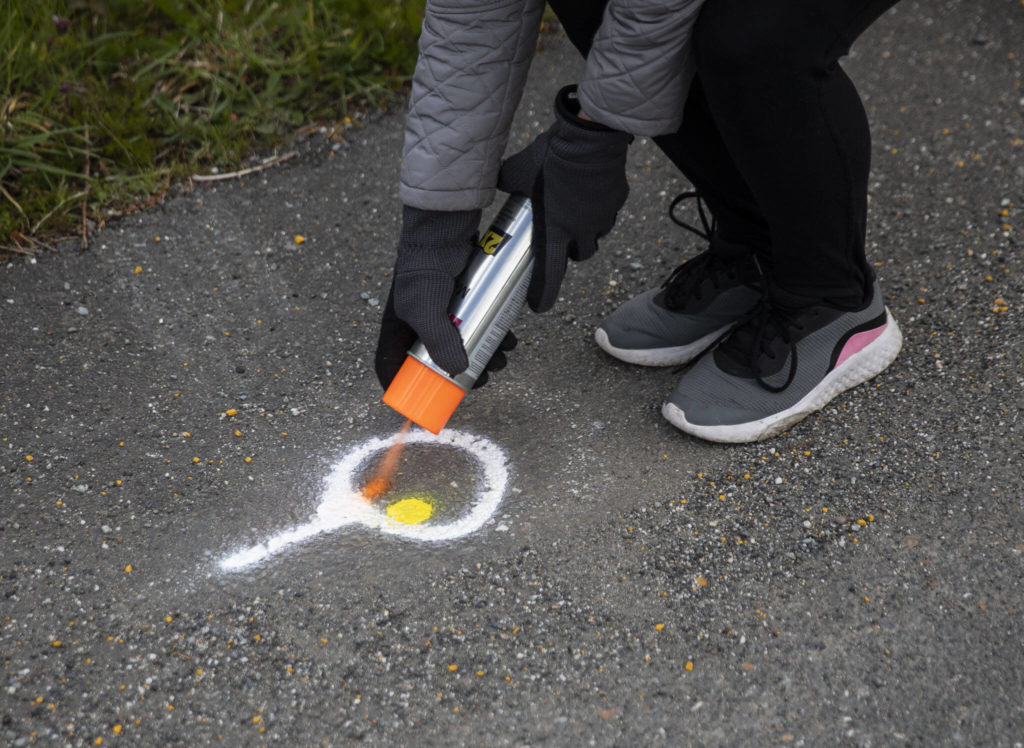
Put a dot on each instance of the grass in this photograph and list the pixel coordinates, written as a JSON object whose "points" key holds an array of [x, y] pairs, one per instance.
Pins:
{"points": [[104, 103]]}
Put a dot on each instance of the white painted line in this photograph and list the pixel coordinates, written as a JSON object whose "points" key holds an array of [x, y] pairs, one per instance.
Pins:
{"points": [[342, 503]]}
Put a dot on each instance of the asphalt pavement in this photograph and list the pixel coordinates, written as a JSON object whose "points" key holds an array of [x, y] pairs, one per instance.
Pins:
{"points": [[200, 381]]}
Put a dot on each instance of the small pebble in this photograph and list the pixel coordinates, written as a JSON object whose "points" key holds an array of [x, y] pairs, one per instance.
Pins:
{"points": [[83, 310]]}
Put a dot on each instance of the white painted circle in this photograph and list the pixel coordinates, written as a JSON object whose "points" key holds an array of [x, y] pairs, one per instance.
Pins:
{"points": [[343, 503]]}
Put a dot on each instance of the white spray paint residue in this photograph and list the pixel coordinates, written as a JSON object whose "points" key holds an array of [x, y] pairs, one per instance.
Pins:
{"points": [[343, 504]]}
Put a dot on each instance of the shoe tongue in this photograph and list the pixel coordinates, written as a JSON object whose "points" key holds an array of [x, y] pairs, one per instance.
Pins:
{"points": [[744, 345], [734, 352], [685, 281]]}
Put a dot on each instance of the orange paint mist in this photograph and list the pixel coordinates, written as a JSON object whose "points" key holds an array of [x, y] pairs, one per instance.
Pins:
{"points": [[383, 478]]}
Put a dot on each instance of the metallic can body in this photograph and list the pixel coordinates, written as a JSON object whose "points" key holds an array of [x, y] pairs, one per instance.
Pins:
{"points": [[491, 291]]}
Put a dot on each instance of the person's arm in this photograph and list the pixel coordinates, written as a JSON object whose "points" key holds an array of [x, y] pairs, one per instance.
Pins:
{"points": [[474, 57], [640, 65]]}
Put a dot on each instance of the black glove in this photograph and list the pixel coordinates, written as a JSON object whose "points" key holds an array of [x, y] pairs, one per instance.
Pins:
{"points": [[433, 248], [575, 176]]}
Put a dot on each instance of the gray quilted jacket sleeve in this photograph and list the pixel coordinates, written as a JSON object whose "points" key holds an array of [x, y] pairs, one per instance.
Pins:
{"points": [[473, 61], [641, 65]]}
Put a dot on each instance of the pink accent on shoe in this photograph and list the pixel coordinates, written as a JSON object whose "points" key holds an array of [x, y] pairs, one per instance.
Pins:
{"points": [[859, 342]]}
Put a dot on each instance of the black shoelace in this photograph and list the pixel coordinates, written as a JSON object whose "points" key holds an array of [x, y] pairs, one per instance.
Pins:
{"points": [[685, 281], [708, 226], [751, 341]]}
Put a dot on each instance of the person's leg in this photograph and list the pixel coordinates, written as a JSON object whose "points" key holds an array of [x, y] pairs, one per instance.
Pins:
{"points": [[580, 19], [706, 295], [795, 128], [696, 148], [698, 151], [794, 125]]}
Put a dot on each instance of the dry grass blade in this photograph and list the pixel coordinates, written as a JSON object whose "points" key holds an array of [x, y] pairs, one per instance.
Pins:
{"points": [[85, 202], [14, 202], [266, 164], [58, 206]]}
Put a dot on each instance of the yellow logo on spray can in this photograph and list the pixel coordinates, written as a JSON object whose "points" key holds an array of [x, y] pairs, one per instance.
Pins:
{"points": [[492, 241]]}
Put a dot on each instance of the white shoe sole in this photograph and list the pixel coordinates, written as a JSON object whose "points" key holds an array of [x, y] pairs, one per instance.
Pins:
{"points": [[859, 367], [674, 356]]}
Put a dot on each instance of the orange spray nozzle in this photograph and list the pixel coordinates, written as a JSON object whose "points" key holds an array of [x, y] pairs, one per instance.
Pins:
{"points": [[422, 395]]}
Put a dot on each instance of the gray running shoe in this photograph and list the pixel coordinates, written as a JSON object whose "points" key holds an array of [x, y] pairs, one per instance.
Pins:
{"points": [[699, 303], [779, 365]]}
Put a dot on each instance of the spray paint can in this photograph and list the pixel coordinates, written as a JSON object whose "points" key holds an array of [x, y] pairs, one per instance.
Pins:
{"points": [[489, 294]]}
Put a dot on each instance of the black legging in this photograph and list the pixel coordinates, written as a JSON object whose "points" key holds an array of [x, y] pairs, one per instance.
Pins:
{"points": [[774, 134]]}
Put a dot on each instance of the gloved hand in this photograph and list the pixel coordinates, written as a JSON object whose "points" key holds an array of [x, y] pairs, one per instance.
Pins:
{"points": [[433, 248], [575, 176]]}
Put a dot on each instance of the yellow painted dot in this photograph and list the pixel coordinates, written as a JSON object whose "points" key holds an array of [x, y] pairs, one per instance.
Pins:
{"points": [[410, 511], [689, 665], [299, 239], [231, 412], [659, 626], [29, 458], [138, 269]]}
